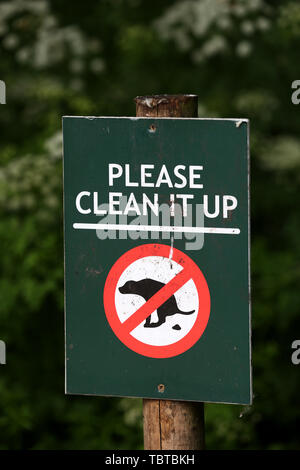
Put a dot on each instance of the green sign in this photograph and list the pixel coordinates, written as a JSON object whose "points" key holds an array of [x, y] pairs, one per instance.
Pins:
{"points": [[157, 258]]}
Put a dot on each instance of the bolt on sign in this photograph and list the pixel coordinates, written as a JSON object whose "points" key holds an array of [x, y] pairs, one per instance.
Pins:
{"points": [[157, 258]]}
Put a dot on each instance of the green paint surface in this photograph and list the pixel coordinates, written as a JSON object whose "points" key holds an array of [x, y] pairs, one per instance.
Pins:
{"points": [[218, 367]]}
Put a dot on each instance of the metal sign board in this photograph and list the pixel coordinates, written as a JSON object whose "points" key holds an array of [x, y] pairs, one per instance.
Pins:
{"points": [[157, 283]]}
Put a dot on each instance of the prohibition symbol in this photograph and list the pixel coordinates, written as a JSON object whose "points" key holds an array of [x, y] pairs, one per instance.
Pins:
{"points": [[156, 301]]}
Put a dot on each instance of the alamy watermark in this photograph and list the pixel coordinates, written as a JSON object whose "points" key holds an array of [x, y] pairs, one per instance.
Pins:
{"points": [[295, 358], [171, 222], [2, 92], [2, 101], [295, 98], [296, 94], [2, 352]]}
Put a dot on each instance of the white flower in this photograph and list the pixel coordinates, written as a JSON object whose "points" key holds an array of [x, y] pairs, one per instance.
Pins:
{"points": [[23, 55], [224, 22], [76, 65], [10, 41], [247, 27], [263, 24], [214, 45], [255, 5], [240, 10], [282, 154], [97, 65], [53, 145], [243, 49]]}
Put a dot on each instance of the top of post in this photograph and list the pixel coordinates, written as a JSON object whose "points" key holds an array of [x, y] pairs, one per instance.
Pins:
{"points": [[185, 105]]}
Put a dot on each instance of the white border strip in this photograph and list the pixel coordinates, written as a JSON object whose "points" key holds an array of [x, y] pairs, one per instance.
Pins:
{"points": [[238, 121], [156, 228]]}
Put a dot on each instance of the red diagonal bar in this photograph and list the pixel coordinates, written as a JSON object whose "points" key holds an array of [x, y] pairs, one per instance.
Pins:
{"points": [[156, 300]]}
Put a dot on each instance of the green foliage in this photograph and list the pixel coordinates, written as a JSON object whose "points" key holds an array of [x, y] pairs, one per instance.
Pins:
{"points": [[94, 58], [289, 18]]}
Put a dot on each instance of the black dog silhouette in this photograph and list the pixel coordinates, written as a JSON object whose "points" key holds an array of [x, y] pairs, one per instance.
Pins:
{"points": [[146, 288]]}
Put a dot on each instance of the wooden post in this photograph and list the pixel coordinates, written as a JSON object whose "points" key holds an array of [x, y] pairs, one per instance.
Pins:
{"points": [[168, 424]]}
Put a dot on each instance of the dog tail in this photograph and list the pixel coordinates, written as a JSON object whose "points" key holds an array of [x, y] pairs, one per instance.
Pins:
{"points": [[187, 313]]}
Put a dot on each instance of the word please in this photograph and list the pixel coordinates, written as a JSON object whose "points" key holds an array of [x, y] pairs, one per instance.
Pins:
{"points": [[180, 177]]}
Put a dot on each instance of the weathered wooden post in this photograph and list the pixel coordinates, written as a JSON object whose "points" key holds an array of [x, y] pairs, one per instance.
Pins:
{"points": [[171, 425]]}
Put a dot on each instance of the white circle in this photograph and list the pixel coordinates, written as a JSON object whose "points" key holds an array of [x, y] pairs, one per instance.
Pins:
{"points": [[163, 270]]}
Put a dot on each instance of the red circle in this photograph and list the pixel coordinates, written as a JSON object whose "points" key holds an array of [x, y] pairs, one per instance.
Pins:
{"points": [[135, 345]]}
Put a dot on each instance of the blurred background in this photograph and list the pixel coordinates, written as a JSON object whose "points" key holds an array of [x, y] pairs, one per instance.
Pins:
{"points": [[92, 58]]}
